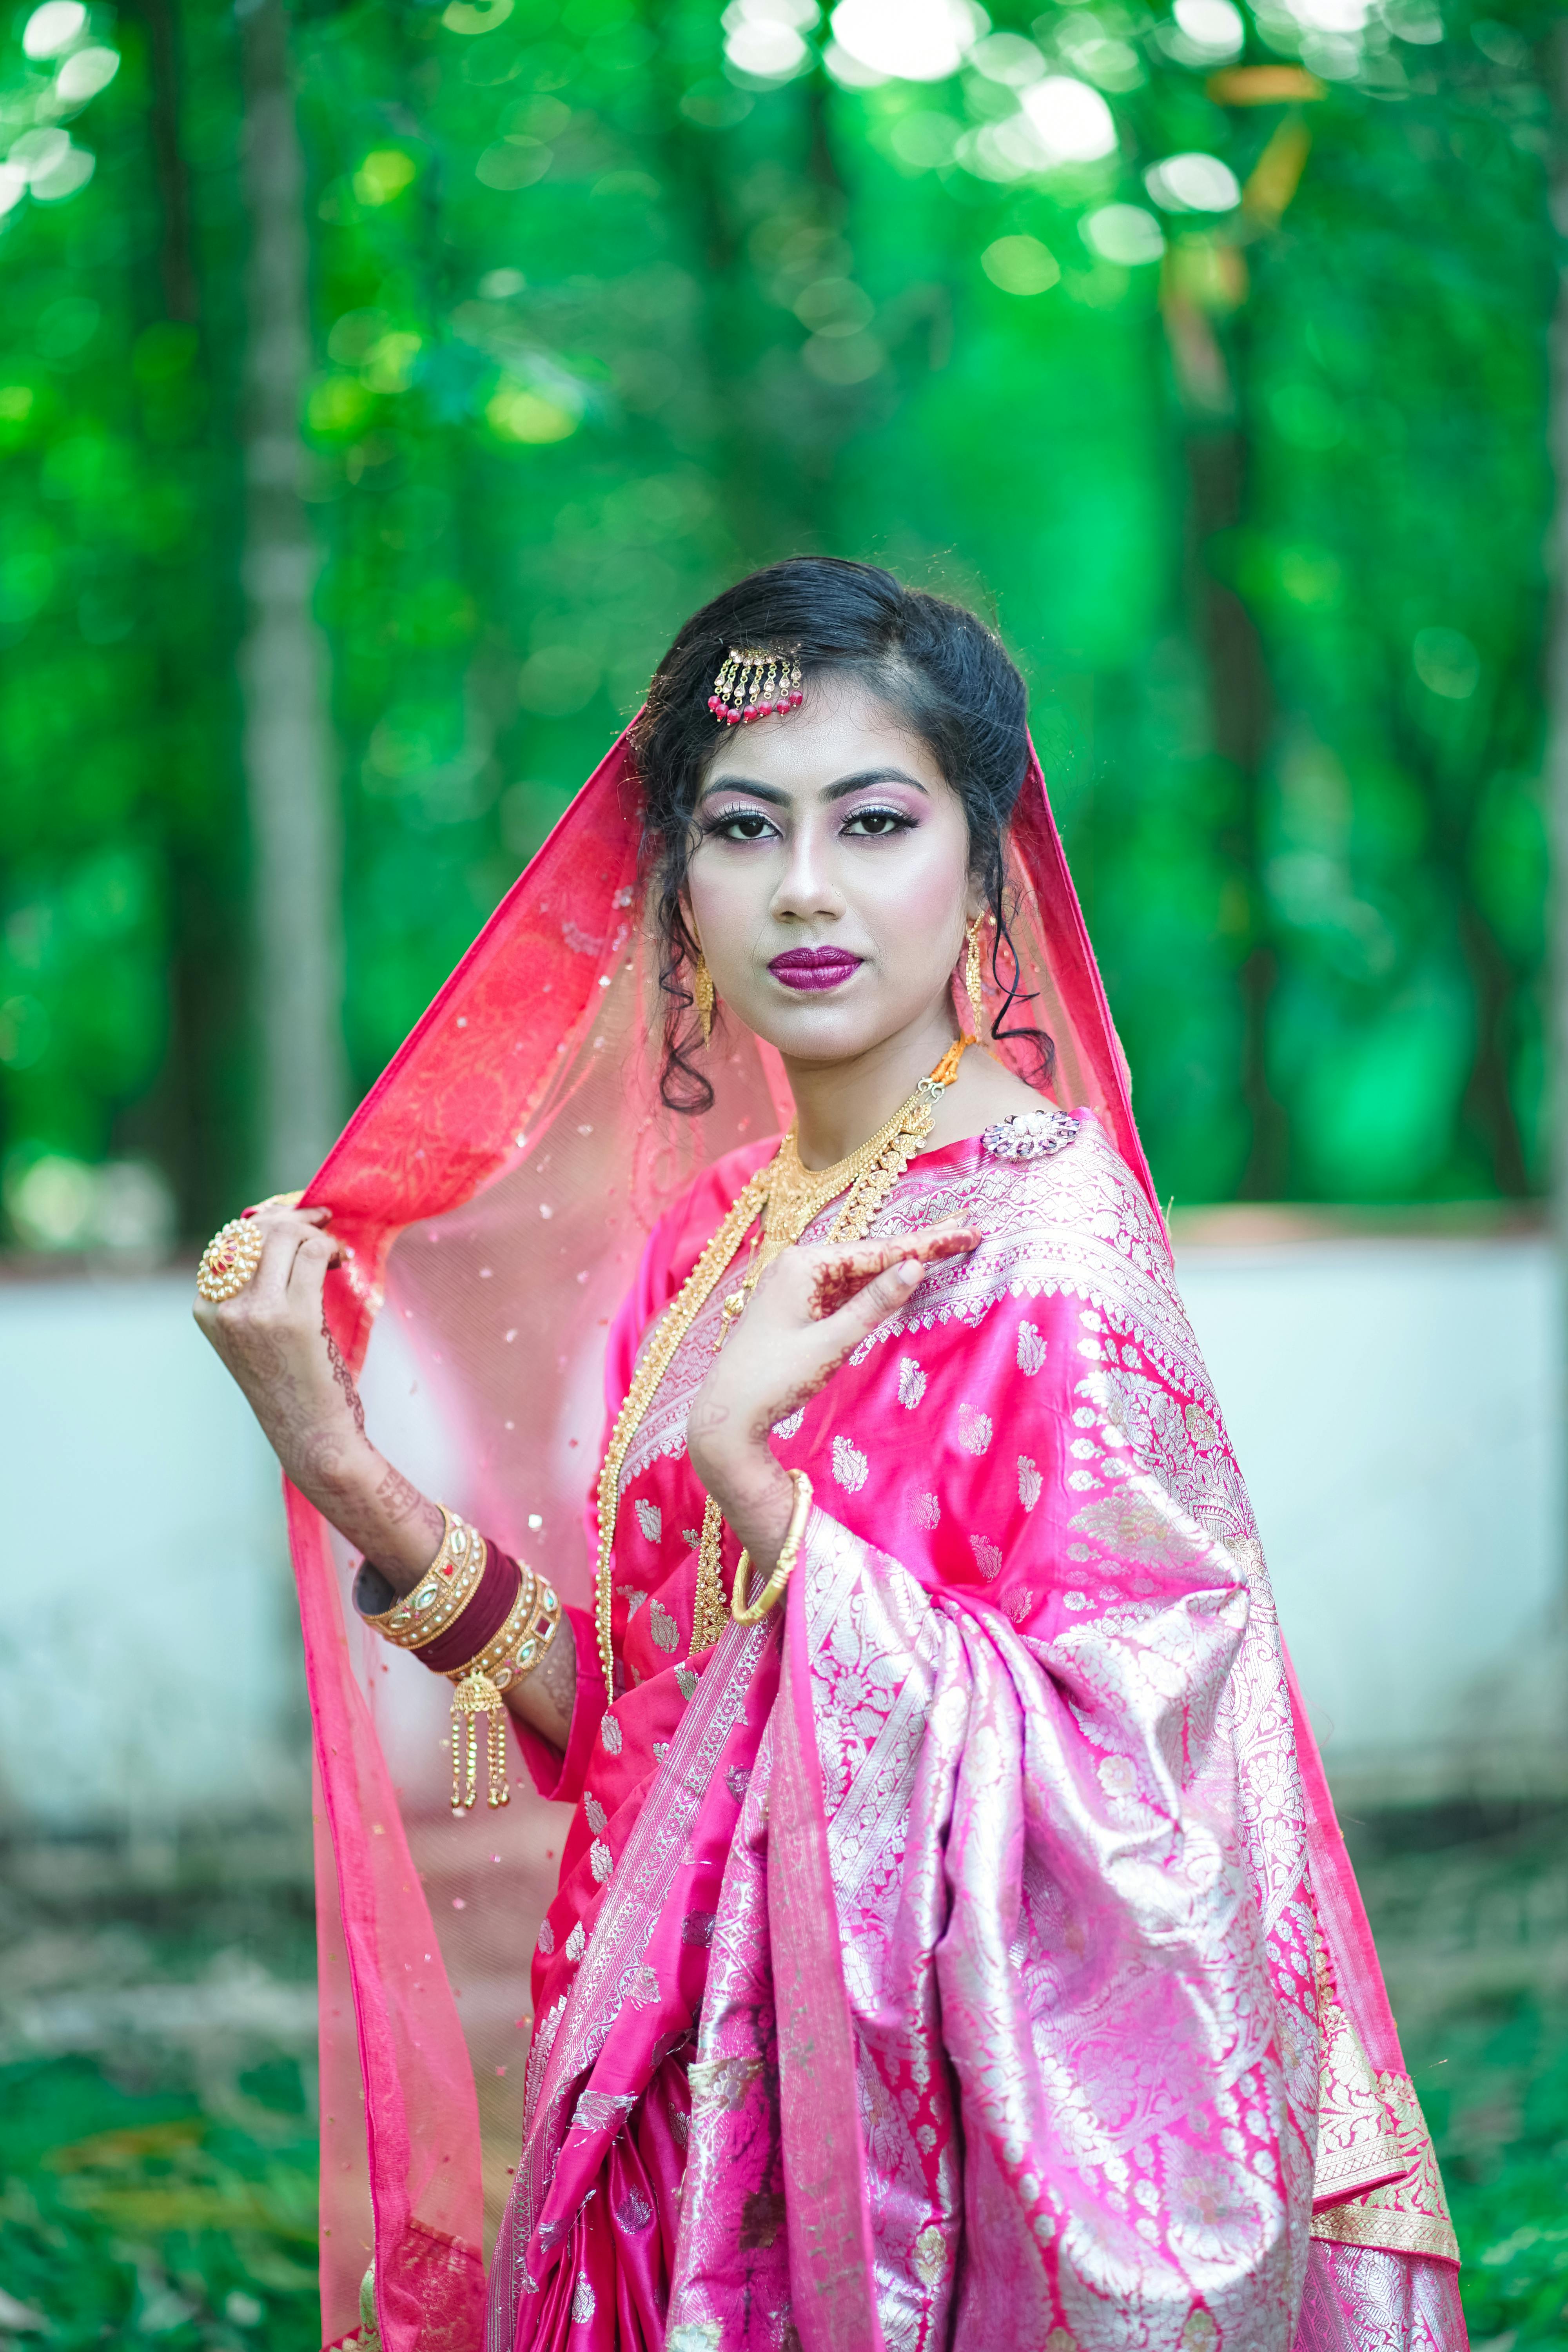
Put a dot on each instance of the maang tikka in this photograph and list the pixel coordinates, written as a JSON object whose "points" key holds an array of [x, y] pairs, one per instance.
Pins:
{"points": [[755, 685]]}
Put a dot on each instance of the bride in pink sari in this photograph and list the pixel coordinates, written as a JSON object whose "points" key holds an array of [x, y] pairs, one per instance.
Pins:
{"points": [[953, 1942]]}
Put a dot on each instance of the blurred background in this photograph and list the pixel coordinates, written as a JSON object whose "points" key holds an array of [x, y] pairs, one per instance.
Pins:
{"points": [[379, 386]]}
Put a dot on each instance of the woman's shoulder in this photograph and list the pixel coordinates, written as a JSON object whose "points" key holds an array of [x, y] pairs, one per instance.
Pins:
{"points": [[1053, 1197], [1061, 1215], [1039, 1166]]}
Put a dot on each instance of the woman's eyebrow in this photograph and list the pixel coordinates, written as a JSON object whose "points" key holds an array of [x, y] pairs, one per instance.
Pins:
{"points": [[873, 776], [744, 784], [834, 792]]}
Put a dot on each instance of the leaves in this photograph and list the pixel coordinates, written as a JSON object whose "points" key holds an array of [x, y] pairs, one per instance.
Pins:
{"points": [[613, 302]]}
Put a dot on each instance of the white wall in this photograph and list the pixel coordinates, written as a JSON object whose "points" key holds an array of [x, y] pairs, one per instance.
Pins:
{"points": [[1396, 1407], [148, 1660]]}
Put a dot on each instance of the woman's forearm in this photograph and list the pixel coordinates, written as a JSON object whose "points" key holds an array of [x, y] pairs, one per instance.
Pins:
{"points": [[316, 1428], [371, 1505], [274, 1340], [544, 1698]]}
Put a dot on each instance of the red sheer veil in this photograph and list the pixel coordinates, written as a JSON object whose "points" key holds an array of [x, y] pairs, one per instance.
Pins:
{"points": [[493, 1193]]}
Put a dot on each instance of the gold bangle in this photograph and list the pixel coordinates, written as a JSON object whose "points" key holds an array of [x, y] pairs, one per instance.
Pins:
{"points": [[529, 1629], [477, 1688], [752, 1613], [442, 1593]]}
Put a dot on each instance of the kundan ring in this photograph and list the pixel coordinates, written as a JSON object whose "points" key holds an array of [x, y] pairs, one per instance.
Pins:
{"points": [[234, 1252]]}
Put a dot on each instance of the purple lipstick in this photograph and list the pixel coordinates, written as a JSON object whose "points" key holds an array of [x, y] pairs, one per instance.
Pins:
{"points": [[812, 968]]}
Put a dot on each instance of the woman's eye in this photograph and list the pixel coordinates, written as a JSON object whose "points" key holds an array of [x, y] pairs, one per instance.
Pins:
{"points": [[878, 823], [742, 825]]}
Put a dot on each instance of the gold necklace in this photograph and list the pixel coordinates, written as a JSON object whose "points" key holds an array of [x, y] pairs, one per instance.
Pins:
{"points": [[789, 1196]]}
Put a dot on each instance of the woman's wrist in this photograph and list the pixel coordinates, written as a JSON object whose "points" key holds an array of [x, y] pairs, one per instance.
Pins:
{"points": [[755, 1497]]}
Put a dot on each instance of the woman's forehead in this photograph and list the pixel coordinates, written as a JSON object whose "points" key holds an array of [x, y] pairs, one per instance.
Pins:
{"points": [[843, 728]]}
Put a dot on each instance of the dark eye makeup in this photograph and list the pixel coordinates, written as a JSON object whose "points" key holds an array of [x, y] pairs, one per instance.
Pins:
{"points": [[879, 823], [863, 823], [737, 824]]}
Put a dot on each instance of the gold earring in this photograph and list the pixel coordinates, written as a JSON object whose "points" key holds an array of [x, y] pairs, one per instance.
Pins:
{"points": [[972, 977], [703, 994]]}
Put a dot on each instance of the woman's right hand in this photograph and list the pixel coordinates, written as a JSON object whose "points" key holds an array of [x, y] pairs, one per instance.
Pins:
{"points": [[272, 1337]]}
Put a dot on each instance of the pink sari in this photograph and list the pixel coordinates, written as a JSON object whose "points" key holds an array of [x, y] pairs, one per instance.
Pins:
{"points": [[967, 1954]]}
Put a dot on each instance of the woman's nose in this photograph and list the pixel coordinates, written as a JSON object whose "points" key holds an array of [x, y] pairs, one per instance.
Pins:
{"points": [[807, 889]]}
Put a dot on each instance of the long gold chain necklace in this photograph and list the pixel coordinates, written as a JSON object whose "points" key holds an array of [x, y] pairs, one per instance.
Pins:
{"points": [[788, 1196]]}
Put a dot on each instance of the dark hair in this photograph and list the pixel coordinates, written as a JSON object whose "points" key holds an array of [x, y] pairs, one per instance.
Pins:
{"points": [[941, 670]]}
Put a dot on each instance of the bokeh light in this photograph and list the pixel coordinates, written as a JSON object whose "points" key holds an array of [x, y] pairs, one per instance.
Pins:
{"points": [[765, 39], [1213, 29], [53, 28], [1021, 265], [1071, 123], [1193, 183], [909, 40], [1125, 234]]}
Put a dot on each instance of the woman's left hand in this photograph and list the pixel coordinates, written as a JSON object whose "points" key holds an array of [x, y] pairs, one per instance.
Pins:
{"points": [[809, 1314]]}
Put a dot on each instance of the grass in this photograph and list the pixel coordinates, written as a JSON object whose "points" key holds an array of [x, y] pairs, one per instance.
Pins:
{"points": [[1470, 1910], [157, 2101], [157, 2133], [127, 2214]]}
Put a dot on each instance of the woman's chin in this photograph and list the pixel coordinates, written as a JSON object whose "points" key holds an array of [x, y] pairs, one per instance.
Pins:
{"points": [[814, 1030]]}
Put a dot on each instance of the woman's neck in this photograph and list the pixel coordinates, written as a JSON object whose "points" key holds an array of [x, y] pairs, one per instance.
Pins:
{"points": [[838, 1104]]}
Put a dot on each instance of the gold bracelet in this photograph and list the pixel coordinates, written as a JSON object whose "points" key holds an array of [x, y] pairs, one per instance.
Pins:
{"points": [[752, 1613], [477, 1688], [442, 1593]]}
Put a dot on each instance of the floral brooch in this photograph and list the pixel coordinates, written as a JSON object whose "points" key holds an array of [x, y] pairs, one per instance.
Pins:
{"points": [[1030, 1135]]}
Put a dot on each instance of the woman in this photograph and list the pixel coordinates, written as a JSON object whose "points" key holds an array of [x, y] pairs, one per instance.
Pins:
{"points": [[953, 1942]]}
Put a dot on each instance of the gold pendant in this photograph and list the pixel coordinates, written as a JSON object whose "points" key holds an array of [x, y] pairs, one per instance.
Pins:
{"points": [[475, 1695]]}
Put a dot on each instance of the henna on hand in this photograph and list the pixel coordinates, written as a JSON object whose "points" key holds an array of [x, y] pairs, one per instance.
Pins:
{"points": [[343, 1377], [838, 1279], [833, 1285], [398, 1495], [780, 1357]]}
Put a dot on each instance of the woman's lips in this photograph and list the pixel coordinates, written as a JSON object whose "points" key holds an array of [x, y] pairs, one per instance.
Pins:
{"points": [[813, 967]]}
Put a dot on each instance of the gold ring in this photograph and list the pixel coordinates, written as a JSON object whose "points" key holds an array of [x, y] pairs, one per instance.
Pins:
{"points": [[234, 1252]]}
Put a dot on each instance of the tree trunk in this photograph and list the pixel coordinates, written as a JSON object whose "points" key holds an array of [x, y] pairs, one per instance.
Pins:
{"points": [[1557, 662], [1556, 1648], [1241, 712], [291, 760]]}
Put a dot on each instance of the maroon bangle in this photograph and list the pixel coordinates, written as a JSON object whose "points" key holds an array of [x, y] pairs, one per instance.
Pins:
{"points": [[481, 1621]]}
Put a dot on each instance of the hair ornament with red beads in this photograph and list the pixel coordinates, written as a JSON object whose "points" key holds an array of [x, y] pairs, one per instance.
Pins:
{"points": [[755, 684]]}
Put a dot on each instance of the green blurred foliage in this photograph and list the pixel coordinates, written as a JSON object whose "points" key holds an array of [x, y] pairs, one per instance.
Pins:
{"points": [[615, 299], [129, 2214]]}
